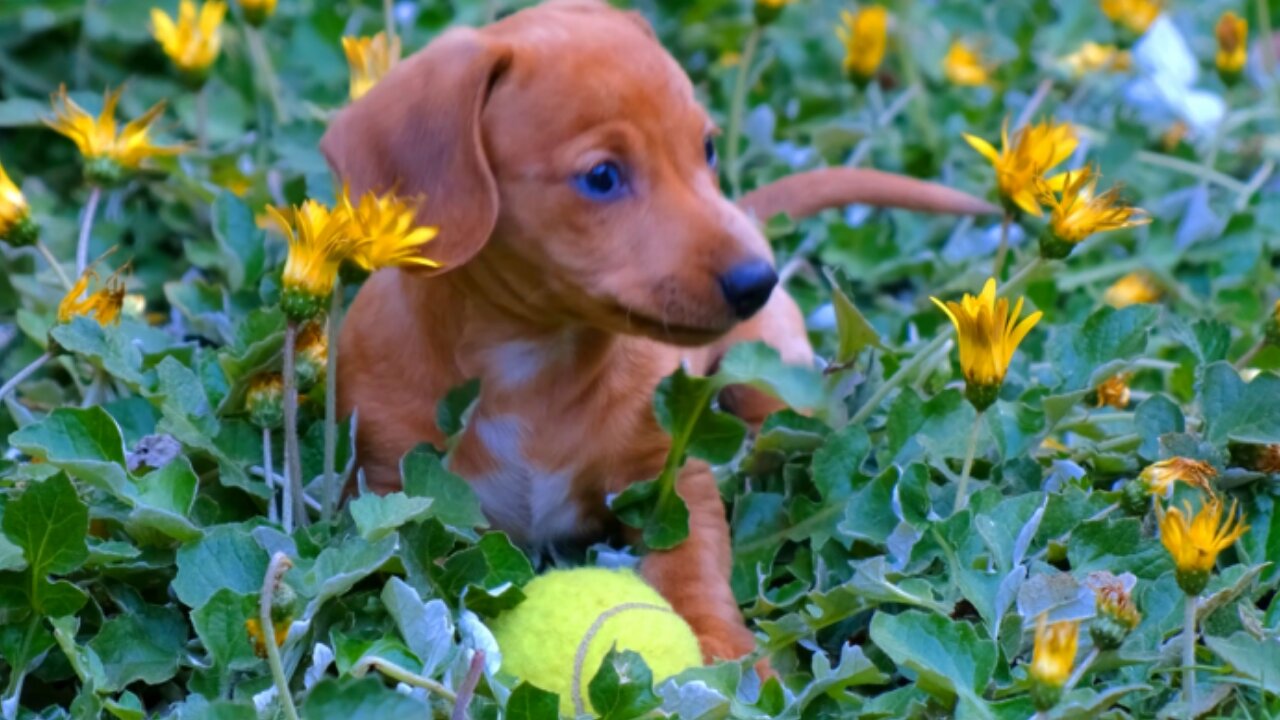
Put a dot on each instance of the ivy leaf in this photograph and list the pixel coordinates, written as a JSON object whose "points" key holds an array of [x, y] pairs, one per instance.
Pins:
{"points": [[682, 404], [622, 688], [377, 516], [86, 444], [838, 462], [1089, 353], [1154, 418], [655, 507], [1239, 411], [528, 702], [949, 658], [1116, 545], [49, 522], [487, 577]]}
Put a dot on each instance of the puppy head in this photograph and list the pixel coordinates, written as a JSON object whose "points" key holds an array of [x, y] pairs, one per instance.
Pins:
{"points": [[571, 172]]}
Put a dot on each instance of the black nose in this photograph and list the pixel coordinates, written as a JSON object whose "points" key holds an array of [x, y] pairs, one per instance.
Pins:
{"points": [[747, 286]]}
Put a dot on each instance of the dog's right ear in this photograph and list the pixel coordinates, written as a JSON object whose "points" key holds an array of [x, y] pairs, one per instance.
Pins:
{"points": [[418, 132]]}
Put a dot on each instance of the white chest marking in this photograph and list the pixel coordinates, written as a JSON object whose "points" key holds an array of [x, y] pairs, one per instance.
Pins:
{"points": [[532, 504]]}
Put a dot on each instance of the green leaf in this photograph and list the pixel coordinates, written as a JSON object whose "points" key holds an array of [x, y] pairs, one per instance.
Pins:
{"points": [[853, 333], [427, 628], [949, 658], [112, 347], [377, 516], [240, 239], [622, 688], [49, 522], [1240, 411], [142, 645], [162, 502], [760, 366], [226, 557], [837, 464], [528, 702], [487, 577], [451, 412], [1250, 657], [682, 405], [350, 699], [454, 503], [1116, 545], [220, 624], [1155, 417], [85, 443], [655, 507], [337, 569], [1094, 351]]}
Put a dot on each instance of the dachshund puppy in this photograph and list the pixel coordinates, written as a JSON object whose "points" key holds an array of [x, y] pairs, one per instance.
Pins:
{"points": [[586, 251]]}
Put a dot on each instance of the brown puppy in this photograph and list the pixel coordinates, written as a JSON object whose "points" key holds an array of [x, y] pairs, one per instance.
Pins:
{"points": [[587, 251]]}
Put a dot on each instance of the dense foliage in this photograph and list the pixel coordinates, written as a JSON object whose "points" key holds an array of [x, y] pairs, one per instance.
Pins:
{"points": [[136, 536]]}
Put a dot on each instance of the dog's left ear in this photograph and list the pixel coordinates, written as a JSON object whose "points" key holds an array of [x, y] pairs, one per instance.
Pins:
{"points": [[418, 132]]}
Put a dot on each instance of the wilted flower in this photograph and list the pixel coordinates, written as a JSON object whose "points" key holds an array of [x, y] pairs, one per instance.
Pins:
{"points": [[988, 335], [312, 355], [370, 59], [1093, 57], [107, 155], [385, 232], [1233, 51], [318, 243], [767, 11], [1134, 16], [1114, 392], [1022, 163], [192, 41], [1159, 477], [16, 226], [1117, 615], [256, 12], [1132, 289], [265, 400], [865, 36], [1262, 458], [1077, 212], [1195, 541], [102, 305], [1052, 659], [964, 66]]}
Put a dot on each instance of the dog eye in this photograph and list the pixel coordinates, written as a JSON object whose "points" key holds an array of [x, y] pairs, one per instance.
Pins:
{"points": [[603, 181], [712, 158]]}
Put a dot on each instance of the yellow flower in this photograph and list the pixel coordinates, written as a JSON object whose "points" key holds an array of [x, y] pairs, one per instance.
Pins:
{"points": [[16, 226], [1052, 659], [1195, 541], [865, 36], [1233, 50], [370, 59], [1132, 289], [1093, 57], [107, 153], [192, 41], [102, 305], [318, 243], [1132, 15], [1077, 211], [1114, 392], [1021, 164], [766, 11], [279, 631], [963, 66], [1159, 477], [256, 12], [988, 336], [385, 231], [1117, 615]]}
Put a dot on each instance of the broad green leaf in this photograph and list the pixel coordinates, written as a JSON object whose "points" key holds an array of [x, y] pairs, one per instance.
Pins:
{"points": [[110, 347], [1240, 411], [240, 240], [1154, 417], [338, 568], [142, 646], [1085, 355], [377, 516], [453, 502], [837, 464], [531, 703], [622, 688], [853, 332], [760, 366], [655, 507], [427, 628], [226, 557], [85, 443], [162, 502], [1116, 545], [949, 658], [220, 624], [488, 577], [49, 522], [451, 412], [350, 699], [1251, 657]]}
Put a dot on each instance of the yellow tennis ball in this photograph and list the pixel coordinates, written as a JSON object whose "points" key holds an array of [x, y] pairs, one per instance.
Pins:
{"points": [[569, 620]]}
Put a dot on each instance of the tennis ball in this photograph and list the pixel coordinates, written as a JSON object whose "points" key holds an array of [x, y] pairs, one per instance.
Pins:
{"points": [[570, 619]]}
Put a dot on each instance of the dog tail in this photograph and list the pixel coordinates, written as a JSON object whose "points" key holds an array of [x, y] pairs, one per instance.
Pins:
{"points": [[808, 193]]}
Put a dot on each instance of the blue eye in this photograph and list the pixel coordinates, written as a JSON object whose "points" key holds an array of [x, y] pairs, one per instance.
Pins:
{"points": [[603, 181], [712, 158]]}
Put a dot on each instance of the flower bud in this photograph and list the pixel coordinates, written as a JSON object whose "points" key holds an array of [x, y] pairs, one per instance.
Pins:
{"points": [[311, 356], [265, 401]]}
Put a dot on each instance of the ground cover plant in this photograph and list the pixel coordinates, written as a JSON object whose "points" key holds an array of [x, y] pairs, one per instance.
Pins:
{"points": [[1035, 474]]}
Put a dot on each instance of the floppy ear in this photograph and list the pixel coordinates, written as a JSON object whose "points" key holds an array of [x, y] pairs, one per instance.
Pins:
{"points": [[418, 132]]}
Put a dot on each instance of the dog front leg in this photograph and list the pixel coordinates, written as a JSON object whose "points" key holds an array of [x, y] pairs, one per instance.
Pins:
{"points": [[694, 575]]}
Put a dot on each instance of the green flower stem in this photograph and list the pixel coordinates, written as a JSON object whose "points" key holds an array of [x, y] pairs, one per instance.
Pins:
{"points": [[49, 257], [86, 228], [901, 376], [292, 508], [1189, 656], [1003, 251], [19, 377], [962, 488], [268, 474], [275, 571], [737, 106], [268, 83], [1080, 670], [400, 674], [330, 486]]}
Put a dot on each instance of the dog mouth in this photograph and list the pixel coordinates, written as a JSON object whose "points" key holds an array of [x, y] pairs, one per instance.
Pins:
{"points": [[641, 323]]}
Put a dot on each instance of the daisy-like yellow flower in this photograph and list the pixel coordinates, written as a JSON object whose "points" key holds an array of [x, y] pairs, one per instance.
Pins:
{"points": [[102, 305], [16, 226], [1158, 478], [1093, 57], [370, 59], [767, 11], [193, 39], [1077, 211], [1022, 163], [1132, 16], [1052, 659], [988, 335], [1233, 46], [1114, 392], [964, 66], [319, 242], [1194, 541], [108, 154], [865, 36], [385, 231], [1132, 289], [257, 12], [1117, 614]]}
